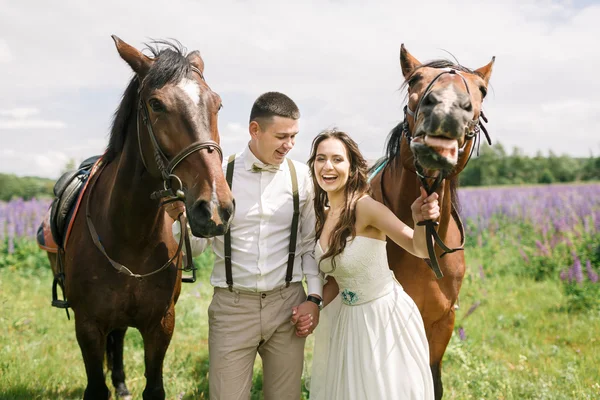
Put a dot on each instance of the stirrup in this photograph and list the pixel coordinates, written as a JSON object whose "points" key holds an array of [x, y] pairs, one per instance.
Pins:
{"points": [[64, 304]]}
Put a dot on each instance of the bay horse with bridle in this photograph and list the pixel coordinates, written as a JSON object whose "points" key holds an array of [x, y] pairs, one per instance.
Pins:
{"points": [[442, 122], [122, 267]]}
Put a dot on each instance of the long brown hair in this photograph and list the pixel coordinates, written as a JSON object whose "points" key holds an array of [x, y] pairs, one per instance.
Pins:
{"points": [[356, 187]]}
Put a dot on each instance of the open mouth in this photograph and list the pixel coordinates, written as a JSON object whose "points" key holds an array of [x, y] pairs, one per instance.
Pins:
{"points": [[435, 152], [329, 178]]}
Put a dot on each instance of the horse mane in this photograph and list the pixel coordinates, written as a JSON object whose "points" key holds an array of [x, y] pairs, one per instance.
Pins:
{"points": [[171, 65], [394, 139]]}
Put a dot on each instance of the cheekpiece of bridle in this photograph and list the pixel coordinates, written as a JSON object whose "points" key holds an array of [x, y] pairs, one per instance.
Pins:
{"points": [[165, 165], [476, 126]]}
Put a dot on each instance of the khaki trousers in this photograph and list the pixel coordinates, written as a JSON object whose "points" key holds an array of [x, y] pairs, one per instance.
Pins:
{"points": [[244, 323]]}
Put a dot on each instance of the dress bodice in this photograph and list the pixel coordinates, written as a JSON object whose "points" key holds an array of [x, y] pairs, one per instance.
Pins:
{"points": [[361, 270]]}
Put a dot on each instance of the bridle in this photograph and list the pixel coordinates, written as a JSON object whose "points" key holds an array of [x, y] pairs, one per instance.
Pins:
{"points": [[476, 126], [166, 168], [164, 165]]}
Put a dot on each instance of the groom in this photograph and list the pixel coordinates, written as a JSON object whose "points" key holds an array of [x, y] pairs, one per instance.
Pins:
{"points": [[257, 275]]}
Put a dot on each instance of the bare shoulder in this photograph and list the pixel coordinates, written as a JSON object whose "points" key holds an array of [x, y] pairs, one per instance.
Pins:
{"points": [[367, 205], [366, 209]]}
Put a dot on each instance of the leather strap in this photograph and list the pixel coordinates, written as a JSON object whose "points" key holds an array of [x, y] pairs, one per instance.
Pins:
{"points": [[228, 274], [295, 218]]}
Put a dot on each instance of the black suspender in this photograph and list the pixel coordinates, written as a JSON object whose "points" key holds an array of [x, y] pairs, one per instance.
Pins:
{"points": [[229, 178], [293, 235]]}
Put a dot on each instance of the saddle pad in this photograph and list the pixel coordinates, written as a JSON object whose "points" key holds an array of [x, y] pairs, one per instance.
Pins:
{"points": [[47, 239]]}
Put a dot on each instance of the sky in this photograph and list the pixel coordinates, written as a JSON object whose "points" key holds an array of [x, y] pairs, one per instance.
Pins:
{"points": [[61, 77]]}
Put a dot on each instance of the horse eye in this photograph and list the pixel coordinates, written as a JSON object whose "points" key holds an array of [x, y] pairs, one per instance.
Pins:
{"points": [[220, 106], [414, 79], [483, 91], [156, 105]]}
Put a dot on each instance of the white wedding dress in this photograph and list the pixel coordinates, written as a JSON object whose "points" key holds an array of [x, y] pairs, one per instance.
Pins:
{"points": [[370, 343]]}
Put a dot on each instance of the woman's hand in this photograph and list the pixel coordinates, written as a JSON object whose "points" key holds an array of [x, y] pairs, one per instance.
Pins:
{"points": [[425, 207]]}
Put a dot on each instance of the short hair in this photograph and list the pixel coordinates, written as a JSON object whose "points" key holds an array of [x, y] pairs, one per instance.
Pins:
{"points": [[273, 104]]}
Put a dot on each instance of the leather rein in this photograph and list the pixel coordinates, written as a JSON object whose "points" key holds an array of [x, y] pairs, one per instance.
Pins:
{"points": [[432, 235], [166, 167]]}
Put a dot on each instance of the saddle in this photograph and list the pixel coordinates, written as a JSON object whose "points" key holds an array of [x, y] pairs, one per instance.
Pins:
{"points": [[54, 231]]}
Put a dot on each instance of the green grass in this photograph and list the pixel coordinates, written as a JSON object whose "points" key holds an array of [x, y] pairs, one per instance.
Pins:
{"points": [[520, 342]]}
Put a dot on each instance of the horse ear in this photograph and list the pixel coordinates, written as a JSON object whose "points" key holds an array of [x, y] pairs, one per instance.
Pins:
{"points": [[486, 71], [140, 63], [407, 62], [196, 60]]}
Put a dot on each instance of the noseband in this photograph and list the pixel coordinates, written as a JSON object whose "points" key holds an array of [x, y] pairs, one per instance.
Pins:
{"points": [[164, 165]]}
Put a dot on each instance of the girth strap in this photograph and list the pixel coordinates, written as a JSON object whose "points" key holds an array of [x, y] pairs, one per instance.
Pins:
{"points": [[293, 235]]}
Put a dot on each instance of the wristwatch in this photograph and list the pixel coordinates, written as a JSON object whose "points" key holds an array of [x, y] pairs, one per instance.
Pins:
{"points": [[316, 300]]}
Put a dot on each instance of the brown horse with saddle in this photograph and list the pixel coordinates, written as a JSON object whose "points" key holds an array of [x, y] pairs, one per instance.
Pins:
{"points": [[121, 266], [442, 122]]}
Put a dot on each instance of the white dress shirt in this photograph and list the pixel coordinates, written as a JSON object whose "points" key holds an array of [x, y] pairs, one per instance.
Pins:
{"points": [[261, 228]]}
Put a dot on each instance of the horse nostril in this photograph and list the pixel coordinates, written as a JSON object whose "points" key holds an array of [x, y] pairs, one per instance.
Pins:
{"points": [[467, 105], [227, 212], [201, 211], [431, 99]]}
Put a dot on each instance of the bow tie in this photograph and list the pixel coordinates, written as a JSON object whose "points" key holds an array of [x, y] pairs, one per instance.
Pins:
{"points": [[260, 167]]}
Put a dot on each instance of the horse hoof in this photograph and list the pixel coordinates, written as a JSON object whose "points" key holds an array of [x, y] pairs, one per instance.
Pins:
{"points": [[122, 392]]}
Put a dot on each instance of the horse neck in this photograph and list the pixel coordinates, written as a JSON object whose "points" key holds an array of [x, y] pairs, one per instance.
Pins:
{"points": [[129, 209], [399, 197]]}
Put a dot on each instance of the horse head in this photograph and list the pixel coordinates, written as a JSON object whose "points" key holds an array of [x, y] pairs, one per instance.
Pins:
{"points": [[443, 110], [178, 136]]}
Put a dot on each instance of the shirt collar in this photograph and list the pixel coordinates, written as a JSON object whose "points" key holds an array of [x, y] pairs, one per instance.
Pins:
{"points": [[250, 158]]}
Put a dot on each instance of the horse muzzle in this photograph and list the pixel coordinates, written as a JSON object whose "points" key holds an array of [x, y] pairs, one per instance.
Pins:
{"points": [[208, 219]]}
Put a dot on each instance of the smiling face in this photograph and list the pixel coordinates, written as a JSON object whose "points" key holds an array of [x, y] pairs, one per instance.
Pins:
{"points": [[273, 138], [332, 165]]}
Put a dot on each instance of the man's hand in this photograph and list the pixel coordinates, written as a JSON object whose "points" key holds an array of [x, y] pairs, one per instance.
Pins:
{"points": [[175, 209], [306, 318]]}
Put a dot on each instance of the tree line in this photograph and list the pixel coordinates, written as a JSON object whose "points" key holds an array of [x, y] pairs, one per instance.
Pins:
{"points": [[493, 166]]}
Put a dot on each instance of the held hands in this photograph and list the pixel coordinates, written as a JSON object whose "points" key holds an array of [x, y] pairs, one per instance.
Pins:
{"points": [[306, 317], [425, 207], [175, 209]]}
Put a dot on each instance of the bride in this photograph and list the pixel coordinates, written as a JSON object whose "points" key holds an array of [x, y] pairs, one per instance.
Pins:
{"points": [[370, 342]]}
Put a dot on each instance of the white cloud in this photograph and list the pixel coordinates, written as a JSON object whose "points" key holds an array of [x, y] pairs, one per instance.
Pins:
{"points": [[47, 164], [6, 55], [31, 124], [20, 113], [338, 60]]}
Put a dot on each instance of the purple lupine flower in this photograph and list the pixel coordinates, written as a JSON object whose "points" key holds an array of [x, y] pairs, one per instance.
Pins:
{"points": [[472, 308], [577, 270], [461, 334], [592, 275], [542, 248], [564, 275], [524, 255]]}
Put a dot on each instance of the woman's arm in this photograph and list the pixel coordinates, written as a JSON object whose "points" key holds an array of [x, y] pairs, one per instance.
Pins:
{"points": [[380, 217], [330, 290]]}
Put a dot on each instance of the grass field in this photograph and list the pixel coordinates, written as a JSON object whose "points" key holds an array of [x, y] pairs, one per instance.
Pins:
{"points": [[521, 332]]}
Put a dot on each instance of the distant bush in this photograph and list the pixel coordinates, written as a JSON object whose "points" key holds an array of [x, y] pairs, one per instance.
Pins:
{"points": [[12, 187]]}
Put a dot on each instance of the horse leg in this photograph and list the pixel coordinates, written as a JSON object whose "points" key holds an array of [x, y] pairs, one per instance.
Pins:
{"points": [[156, 341], [440, 335], [114, 360], [92, 343]]}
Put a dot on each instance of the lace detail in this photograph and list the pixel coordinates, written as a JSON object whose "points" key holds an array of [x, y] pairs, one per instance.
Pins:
{"points": [[362, 271]]}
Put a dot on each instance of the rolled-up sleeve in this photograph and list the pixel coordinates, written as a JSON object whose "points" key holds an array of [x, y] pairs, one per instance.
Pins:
{"points": [[314, 279], [198, 244]]}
